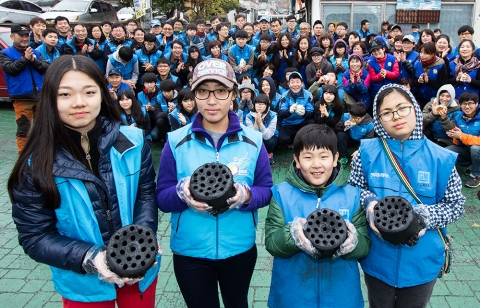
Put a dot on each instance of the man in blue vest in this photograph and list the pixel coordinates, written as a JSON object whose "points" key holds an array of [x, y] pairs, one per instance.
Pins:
{"points": [[24, 69]]}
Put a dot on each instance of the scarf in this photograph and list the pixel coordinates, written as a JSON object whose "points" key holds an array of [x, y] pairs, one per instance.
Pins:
{"points": [[468, 66], [433, 62]]}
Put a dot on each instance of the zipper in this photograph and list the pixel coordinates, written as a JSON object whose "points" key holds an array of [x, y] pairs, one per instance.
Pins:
{"points": [[140, 293], [87, 150], [217, 154], [107, 210], [401, 146], [216, 237], [319, 199], [399, 249]]}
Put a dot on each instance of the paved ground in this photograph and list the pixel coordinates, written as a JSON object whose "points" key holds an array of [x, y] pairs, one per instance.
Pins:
{"points": [[24, 283]]}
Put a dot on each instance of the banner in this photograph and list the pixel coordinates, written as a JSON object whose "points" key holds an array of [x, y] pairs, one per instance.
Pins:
{"points": [[431, 5]]}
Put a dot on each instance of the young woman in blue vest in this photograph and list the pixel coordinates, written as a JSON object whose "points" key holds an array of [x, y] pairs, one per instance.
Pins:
{"points": [[283, 53], [185, 111], [264, 120], [356, 81], [266, 86], [65, 186], [444, 49], [382, 67], [132, 113], [214, 251], [464, 72], [301, 57], [400, 275], [430, 73], [339, 59], [95, 33]]}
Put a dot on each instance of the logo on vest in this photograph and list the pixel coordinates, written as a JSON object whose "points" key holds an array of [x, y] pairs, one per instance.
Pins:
{"points": [[238, 166], [435, 71], [423, 178], [379, 175], [389, 63], [345, 213]]}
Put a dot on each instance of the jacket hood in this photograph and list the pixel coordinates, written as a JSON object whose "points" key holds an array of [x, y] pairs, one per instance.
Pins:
{"points": [[273, 87], [417, 133], [339, 177], [449, 88], [347, 49]]}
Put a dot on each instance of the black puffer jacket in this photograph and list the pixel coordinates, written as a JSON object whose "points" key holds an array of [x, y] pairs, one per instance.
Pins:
{"points": [[36, 225]]}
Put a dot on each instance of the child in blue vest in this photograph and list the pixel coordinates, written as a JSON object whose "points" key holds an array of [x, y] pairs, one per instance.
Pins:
{"points": [[132, 112], [214, 251], [353, 127], [165, 104], [314, 180], [241, 55], [185, 111], [401, 275], [48, 49], [126, 61], [148, 99], [466, 137], [264, 120], [296, 109]]}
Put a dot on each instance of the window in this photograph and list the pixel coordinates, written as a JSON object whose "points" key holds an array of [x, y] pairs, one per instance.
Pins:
{"points": [[14, 5], [96, 5], [372, 13], [106, 7], [336, 13], [31, 7]]}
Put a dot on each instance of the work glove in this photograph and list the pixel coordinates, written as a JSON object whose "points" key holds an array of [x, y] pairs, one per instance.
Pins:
{"points": [[300, 110], [293, 107]]}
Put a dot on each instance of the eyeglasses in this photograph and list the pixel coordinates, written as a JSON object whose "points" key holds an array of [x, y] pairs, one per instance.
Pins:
{"points": [[260, 104], [401, 112], [221, 94], [467, 104], [355, 118]]}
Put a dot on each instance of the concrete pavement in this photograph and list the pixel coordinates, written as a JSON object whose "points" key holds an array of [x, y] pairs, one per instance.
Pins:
{"points": [[24, 283]]}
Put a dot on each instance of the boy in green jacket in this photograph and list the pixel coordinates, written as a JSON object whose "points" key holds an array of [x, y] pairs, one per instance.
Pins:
{"points": [[314, 180]]}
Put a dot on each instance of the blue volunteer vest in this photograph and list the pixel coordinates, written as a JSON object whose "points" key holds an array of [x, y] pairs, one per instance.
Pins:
{"points": [[424, 90], [202, 235], [389, 62], [303, 281], [126, 69], [77, 220], [358, 131], [428, 168]]}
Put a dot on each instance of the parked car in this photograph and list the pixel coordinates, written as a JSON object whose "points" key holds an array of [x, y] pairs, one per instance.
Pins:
{"points": [[81, 11], [46, 5], [125, 13], [15, 11], [5, 42]]}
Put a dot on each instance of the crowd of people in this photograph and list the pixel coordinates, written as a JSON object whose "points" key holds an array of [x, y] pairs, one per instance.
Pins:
{"points": [[211, 93], [309, 75]]}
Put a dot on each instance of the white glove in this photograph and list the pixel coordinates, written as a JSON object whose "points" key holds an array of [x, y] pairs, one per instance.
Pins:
{"points": [[300, 110], [350, 243], [183, 192], [293, 108], [301, 241]]}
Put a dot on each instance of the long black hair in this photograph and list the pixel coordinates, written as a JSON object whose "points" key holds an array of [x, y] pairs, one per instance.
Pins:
{"points": [[186, 94], [337, 104], [102, 39], [190, 61], [135, 110], [49, 133]]}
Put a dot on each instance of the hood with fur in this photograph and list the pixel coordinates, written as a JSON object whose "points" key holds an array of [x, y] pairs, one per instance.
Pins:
{"points": [[381, 132]]}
